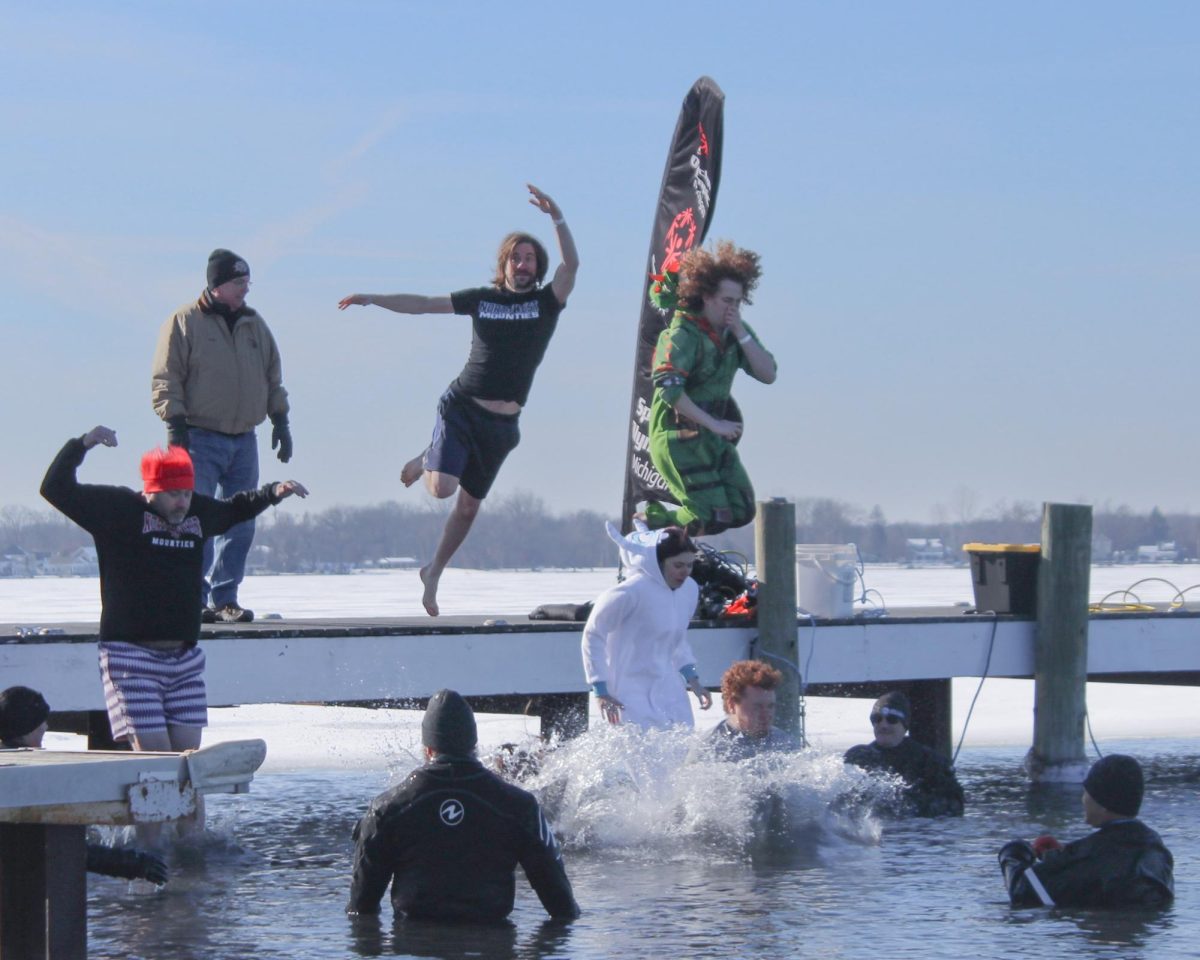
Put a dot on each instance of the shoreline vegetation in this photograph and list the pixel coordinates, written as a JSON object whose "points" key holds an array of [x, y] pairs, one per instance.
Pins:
{"points": [[518, 531]]}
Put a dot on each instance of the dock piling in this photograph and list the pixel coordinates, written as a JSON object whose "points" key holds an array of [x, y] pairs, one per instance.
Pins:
{"points": [[1061, 645], [775, 561]]}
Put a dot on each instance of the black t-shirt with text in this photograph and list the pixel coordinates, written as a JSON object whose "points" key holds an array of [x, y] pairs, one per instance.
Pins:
{"points": [[509, 335]]}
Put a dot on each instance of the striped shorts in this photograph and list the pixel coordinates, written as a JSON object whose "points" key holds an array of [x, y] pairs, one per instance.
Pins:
{"points": [[148, 690]]}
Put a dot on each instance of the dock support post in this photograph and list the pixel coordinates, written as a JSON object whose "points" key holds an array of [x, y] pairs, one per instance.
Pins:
{"points": [[1060, 646], [932, 714], [43, 892], [775, 562]]}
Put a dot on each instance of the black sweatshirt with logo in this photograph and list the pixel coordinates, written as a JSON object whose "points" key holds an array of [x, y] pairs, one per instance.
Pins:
{"points": [[150, 570]]}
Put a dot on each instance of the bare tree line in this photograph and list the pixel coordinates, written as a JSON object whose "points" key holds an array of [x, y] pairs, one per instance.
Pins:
{"points": [[519, 531]]}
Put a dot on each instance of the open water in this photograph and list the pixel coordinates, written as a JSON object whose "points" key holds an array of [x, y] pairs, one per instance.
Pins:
{"points": [[667, 859]]}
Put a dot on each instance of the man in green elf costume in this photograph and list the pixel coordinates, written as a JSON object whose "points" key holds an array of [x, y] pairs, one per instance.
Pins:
{"points": [[694, 422]]}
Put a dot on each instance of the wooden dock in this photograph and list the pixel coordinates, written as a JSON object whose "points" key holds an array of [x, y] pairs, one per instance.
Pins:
{"points": [[503, 663], [47, 798]]}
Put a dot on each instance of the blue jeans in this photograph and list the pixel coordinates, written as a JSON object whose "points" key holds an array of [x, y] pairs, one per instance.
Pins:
{"points": [[224, 465]]}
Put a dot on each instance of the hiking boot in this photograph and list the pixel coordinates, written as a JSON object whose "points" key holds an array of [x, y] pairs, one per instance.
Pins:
{"points": [[208, 614], [232, 613]]}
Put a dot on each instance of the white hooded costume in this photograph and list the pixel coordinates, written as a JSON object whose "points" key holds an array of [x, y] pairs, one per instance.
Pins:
{"points": [[635, 640]]}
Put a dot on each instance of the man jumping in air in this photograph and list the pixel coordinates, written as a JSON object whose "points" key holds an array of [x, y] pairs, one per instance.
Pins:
{"points": [[477, 417]]}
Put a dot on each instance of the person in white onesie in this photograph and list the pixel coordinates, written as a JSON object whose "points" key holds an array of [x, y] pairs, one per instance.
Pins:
{"points": [[636, 656]]}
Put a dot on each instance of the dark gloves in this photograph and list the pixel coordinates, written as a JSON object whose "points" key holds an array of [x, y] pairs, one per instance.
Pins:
{"points": [[281, 437], [177, 432], [1016, 853], [126, 862]]}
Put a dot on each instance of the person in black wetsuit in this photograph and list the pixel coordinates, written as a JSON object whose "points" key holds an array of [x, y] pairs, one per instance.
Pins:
{"points": [[931, 789], [449, 838], [24, 713], [1122, 864]]}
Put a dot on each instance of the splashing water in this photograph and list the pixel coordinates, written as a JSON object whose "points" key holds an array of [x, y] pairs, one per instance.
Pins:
{"points": [[662, 793]]}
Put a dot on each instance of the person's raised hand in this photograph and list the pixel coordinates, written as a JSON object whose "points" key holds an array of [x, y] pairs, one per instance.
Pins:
{"points": [[543, 202], [289, 487], [99, 435]]}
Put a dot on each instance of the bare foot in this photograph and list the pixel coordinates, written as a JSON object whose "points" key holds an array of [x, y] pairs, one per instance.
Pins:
{"points": [[413, 469], [429, 597]]}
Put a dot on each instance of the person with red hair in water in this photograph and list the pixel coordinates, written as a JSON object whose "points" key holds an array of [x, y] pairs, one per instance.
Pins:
{"points": [[150, 547]]}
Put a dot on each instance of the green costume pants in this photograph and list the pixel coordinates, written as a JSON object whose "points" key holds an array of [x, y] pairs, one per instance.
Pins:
{"points": [[706, 477]]}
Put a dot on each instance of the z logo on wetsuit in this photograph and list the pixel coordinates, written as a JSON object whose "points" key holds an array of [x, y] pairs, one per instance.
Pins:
{"points": [[451, 811]]}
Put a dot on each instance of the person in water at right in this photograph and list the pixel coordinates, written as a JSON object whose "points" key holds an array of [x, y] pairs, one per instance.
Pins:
{"points": [[748, 695], [930, 787], [694, 422], [1122, 864]]}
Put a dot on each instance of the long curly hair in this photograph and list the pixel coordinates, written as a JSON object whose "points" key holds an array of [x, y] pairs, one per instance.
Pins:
{"points": [[701, 271]]}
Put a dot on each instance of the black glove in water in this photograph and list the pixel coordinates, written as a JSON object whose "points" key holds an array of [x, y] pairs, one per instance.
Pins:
{"points": [[281, 437], [177, 432]]}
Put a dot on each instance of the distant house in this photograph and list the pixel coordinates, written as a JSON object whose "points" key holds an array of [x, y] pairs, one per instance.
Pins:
{"points": [[15, 562], [80, 562], [925, 551], [396, 563], [1102, 548], [1165, 552]]}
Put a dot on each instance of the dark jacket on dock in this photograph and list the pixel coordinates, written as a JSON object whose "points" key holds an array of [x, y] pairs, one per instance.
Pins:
{"points": [[150, 571], [448, 839], [1123, 864], [931, 789]]}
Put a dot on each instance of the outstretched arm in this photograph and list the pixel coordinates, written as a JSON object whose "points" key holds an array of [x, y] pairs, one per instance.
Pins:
{"points": [[398, 302], [564, 277], [88, 505]]}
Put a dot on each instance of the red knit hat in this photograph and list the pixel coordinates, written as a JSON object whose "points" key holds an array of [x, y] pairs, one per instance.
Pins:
{"points": [[169, 469]]}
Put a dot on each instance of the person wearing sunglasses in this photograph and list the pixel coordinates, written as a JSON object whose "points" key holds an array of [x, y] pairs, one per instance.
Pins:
{"points": [[930, 786]]}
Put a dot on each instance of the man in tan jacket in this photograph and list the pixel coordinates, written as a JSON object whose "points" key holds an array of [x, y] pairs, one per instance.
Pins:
{"points": [[217, 376]]}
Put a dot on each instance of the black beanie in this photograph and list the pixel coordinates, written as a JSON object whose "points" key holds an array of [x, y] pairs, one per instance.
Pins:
{"points": [[223, 266], [22, 711], [449, 725], [1115, 782], [897, 701]]}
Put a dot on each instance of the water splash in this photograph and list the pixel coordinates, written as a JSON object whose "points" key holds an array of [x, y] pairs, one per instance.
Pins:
{"points": [[663, 793]]}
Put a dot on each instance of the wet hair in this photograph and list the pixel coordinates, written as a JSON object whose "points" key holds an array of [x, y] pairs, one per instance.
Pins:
{"points": [[674, 541], [509, 244], [702, 270], [747, 673]]}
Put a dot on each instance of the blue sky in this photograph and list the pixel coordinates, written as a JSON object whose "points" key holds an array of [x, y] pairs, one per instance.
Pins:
{"points": [[978, 226]]}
